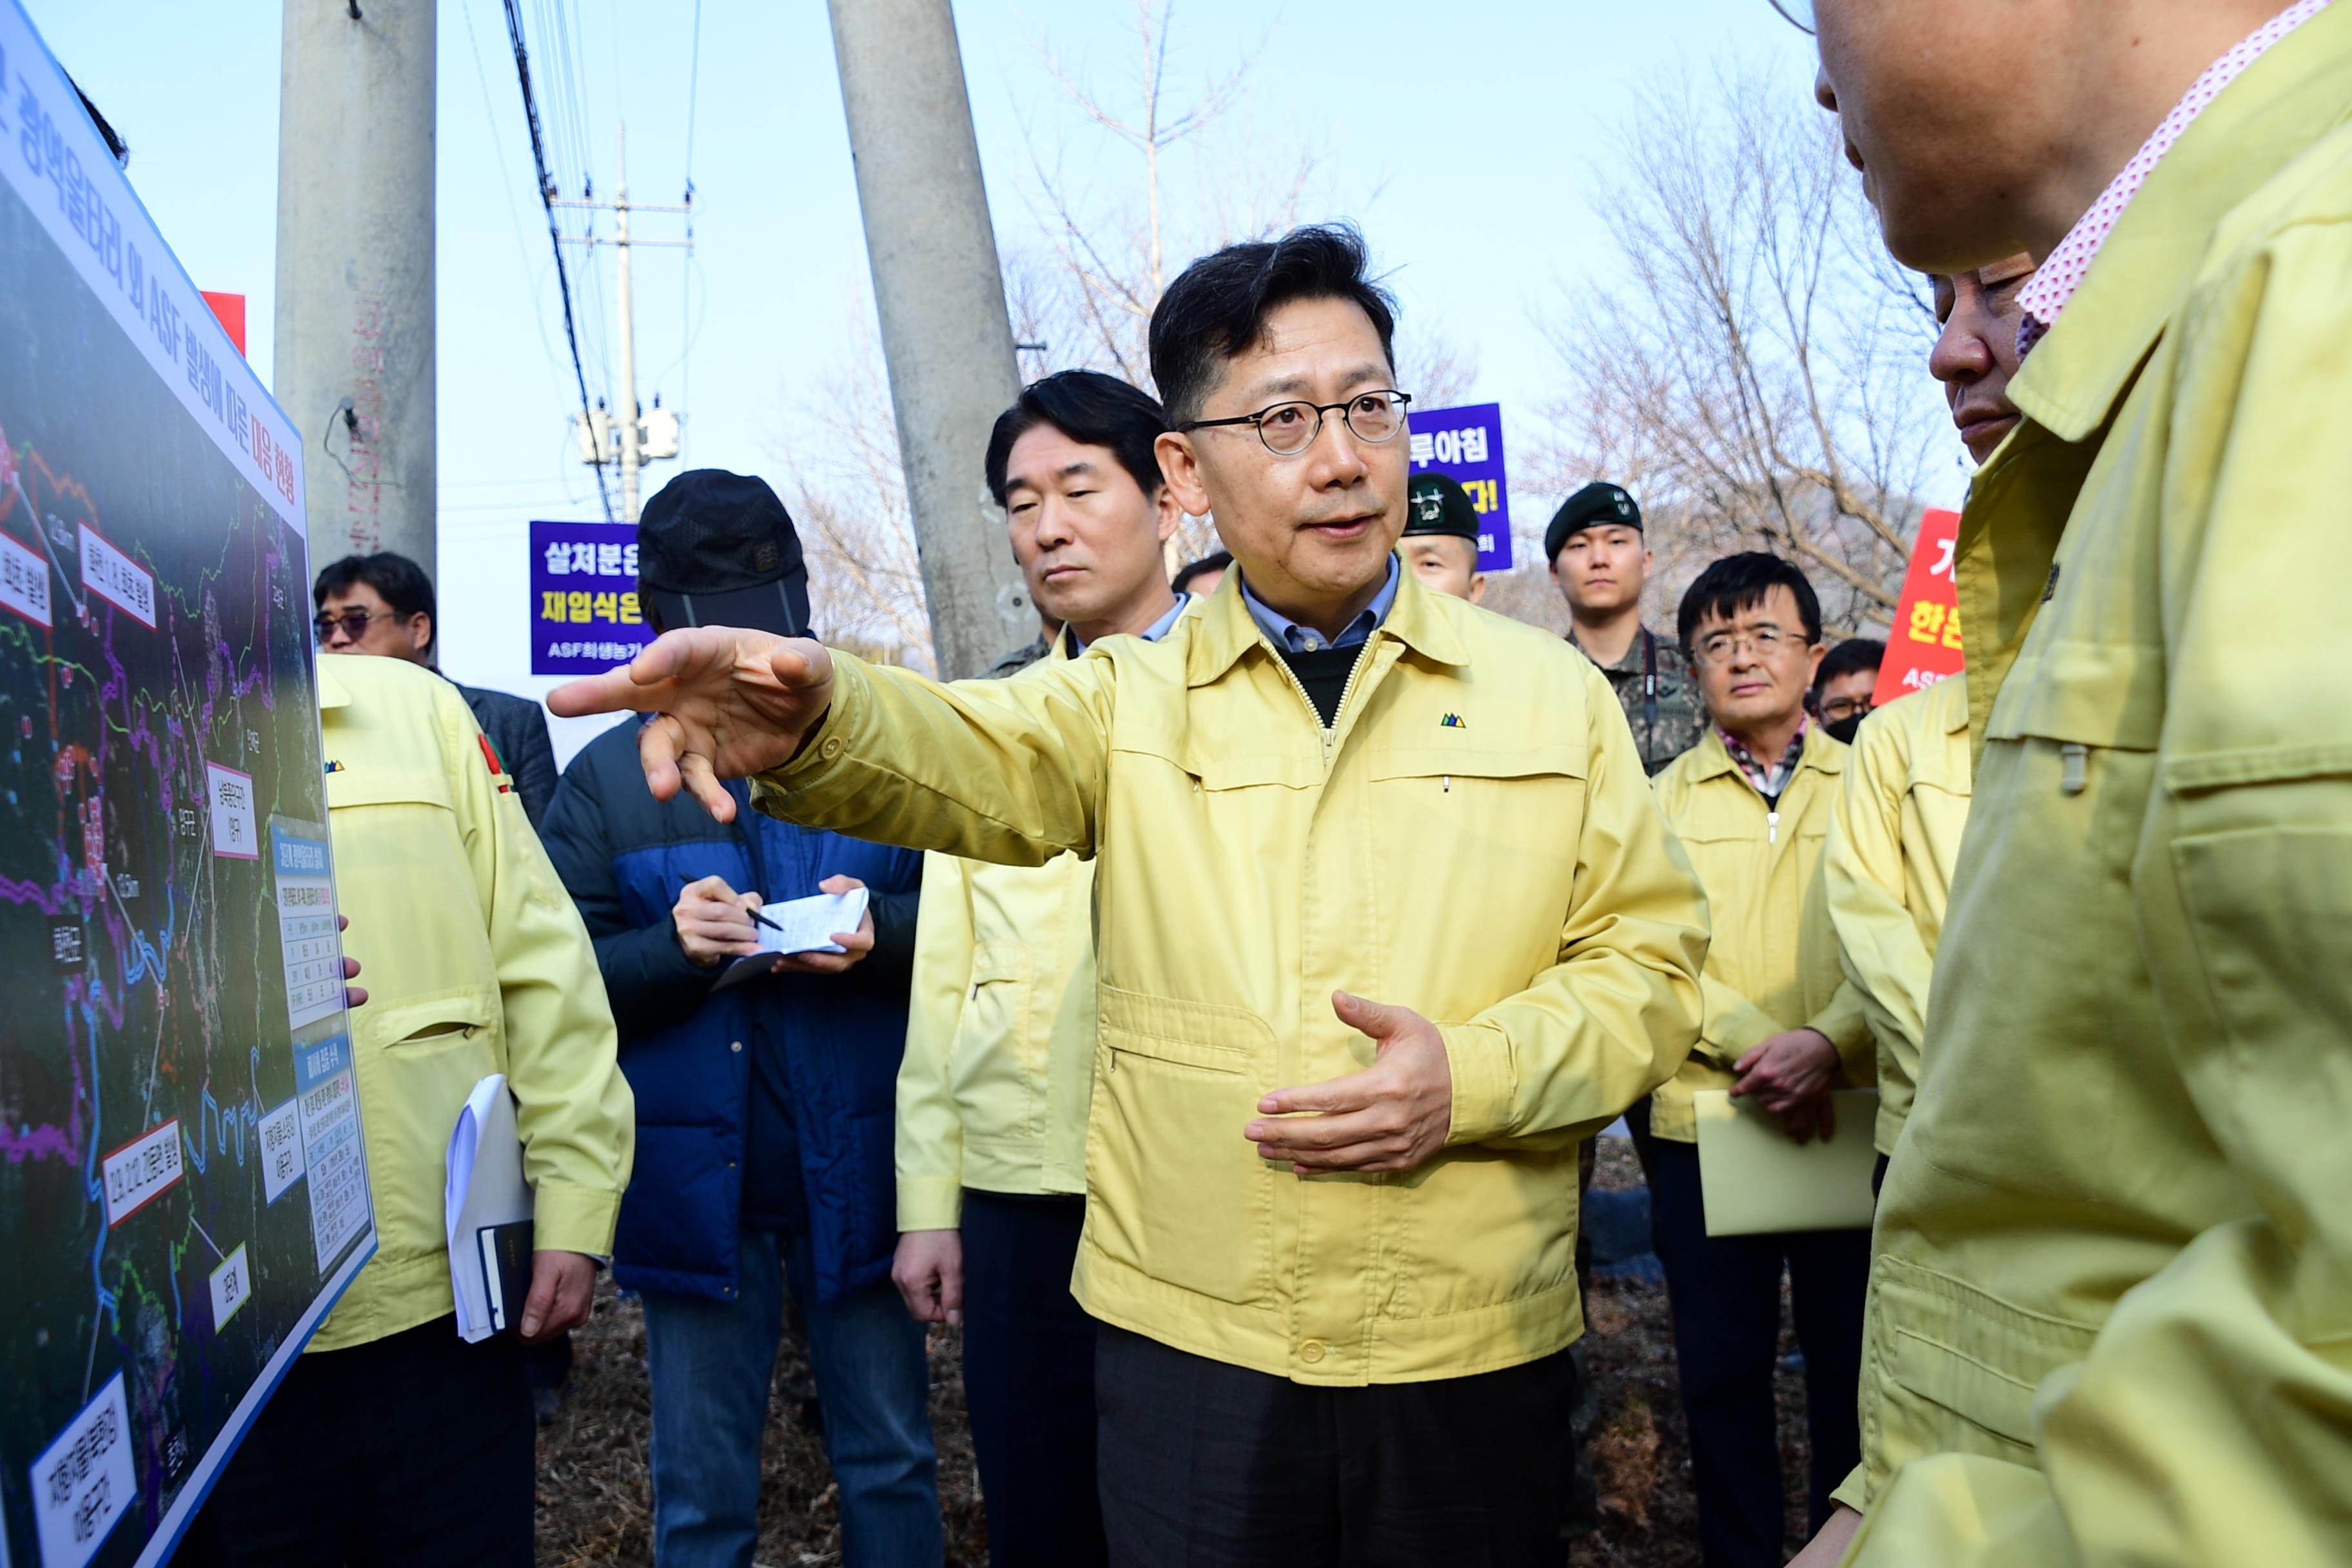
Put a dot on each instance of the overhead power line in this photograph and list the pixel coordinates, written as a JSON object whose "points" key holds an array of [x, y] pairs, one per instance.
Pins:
{"points": [[547, 201]]}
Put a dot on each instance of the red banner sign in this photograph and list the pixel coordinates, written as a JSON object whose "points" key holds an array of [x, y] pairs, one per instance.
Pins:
{"points": [[1924, 646]]}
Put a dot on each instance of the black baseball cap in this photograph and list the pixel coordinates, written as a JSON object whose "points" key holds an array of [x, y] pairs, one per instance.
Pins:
{"points": [[1437, 503], [1597, 503], [716, 549]]}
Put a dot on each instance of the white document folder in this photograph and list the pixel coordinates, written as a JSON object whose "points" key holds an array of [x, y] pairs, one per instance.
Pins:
{"points": [[485, 1188], [1754, 1178]]}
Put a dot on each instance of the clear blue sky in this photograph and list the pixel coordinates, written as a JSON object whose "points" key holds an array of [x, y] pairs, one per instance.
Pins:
{"points": [[1465, 139]]}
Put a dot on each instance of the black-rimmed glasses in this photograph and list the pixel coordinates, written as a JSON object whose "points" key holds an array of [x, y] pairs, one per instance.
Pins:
{"points": [[1289, 428]]}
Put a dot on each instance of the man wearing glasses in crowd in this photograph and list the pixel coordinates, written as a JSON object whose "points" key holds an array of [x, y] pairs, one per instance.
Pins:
{"points": [[1333, 1316]]}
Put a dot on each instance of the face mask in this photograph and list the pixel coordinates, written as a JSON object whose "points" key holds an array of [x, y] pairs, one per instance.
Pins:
{"points": [[1844, 728]]}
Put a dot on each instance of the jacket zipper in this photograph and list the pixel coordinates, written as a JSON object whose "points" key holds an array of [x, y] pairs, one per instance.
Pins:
{"points": [[1772, 826]]}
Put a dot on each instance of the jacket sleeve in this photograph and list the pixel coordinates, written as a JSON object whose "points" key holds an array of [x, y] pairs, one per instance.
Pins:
{"points": [[2211, 1420], [574, 1108], [930, 1129], [1879, 945], [1618, 1013], [1005, 771], [1841, 1019], [648, 980]]}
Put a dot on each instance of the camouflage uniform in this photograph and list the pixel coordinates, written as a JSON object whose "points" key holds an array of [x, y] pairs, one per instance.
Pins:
{"points": [[1666, 721]]}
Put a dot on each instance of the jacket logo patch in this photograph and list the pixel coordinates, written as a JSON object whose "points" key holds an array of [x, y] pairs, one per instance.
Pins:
{"points": [[333, 766], [1451, 722]]}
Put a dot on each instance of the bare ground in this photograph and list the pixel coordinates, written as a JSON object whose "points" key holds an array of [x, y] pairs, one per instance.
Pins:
{"points": [[596, 1498]]}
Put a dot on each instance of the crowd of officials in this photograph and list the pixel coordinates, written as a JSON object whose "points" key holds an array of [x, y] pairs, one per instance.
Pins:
{"points": [[1248, 964]]}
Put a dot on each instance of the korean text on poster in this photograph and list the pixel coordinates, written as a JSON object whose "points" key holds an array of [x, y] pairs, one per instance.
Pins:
{"points": [[1466, 445], [1924, 645], [585, 616]]}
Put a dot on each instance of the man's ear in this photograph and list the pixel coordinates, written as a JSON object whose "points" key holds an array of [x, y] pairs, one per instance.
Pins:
{"points": [[1180, 465], [1166, 515], [1477, 587], [420, 632]]}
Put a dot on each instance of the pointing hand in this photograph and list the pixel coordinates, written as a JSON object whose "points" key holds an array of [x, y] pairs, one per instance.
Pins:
{"points": [[727, 703]]}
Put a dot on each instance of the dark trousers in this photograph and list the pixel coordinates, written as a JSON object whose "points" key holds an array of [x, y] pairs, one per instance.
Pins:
{"points": [[1210, 1465], [416, 1448], [1726, 1295], [1029, 1380]]}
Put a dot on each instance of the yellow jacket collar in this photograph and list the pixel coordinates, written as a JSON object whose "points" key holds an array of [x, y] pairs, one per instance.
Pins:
{"points": [[2282, 104], [332, 693], [1227, 630], [1824, 754]]}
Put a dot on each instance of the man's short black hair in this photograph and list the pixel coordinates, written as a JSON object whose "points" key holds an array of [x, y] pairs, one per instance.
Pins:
{"points": [[1217, 307], [1092, 409], [1740, 582], [398, 580], [1193, 572], [1853, 654]]}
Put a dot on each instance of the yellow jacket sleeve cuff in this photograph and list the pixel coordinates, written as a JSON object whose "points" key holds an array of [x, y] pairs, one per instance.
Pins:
{"points": [[1855, 1491], [930, 1203], [573, 1219], [1486, 1086], [1847, 1027]]}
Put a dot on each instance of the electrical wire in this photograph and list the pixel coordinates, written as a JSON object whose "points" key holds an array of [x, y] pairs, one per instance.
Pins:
{"points": [[554, 238]]}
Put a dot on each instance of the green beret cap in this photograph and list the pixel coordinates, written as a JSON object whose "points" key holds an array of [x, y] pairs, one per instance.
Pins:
{"points": [[1437, 503], [1596, 503]]}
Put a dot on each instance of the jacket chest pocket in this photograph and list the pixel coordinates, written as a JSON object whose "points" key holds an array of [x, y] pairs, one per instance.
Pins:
{"points": [[1173, 1189], [994, 1046], [1506, 821]]}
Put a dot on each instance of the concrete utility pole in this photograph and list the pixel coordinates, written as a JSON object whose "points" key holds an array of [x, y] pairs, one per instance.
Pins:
{"points": [[940, 295], [627, 408], [354, 357]]}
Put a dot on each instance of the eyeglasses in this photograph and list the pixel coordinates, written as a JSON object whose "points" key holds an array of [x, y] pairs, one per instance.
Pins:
{"points": [[355, 624], [1768, 642], [1838, 710], [1798, 13], [1289, 428]]}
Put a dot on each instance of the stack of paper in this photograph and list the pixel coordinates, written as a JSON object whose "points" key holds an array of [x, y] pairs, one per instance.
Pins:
{"points": [[485, 1190], [1754, 1178]]}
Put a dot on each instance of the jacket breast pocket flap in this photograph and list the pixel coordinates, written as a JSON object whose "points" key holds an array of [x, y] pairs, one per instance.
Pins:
{"points": [[427, 1021], [1540, 759], [2109, 695], [388, 785], [996, 962]]}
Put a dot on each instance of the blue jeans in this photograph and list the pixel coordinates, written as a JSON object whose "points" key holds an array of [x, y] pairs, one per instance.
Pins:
{"points": [[712, 1362]]}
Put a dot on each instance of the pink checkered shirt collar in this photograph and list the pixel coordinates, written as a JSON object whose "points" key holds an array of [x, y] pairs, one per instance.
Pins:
{"points": [[2045, 294], [1773, 782]]}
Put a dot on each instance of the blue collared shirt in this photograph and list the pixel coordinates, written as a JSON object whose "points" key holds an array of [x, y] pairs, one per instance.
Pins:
{"points": [[1288, 633], [1152, 633]]}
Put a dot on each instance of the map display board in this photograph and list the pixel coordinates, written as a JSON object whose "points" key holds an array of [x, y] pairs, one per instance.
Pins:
{"points": [[184, 1188]]}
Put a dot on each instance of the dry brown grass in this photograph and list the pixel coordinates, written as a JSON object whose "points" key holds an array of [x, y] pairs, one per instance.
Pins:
{"points": [[596, 1500]]}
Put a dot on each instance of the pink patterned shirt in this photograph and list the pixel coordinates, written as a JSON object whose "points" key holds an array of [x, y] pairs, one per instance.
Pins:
{"points": [[2045, 294]]}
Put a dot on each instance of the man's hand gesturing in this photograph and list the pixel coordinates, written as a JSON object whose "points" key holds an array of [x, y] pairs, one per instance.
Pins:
{"points": [[1393, 1116], [727, 702]]}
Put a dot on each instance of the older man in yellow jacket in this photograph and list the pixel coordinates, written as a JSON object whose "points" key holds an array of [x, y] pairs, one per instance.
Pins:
{"points": [[1327, 781], [2111, 1315], [392, 1438], [1751, 804]]}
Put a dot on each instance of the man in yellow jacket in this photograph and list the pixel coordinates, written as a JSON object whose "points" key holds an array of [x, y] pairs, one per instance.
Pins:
{"points": [[1329, 1238], [392, 1439], [2110, 1320], [1001, 1025], [1751, 804]]}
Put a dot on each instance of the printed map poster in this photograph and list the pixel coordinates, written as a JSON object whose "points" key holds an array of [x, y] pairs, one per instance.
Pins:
{"points": [[585, 616], [182, 1188], [1466, 445], [1924, 647]]}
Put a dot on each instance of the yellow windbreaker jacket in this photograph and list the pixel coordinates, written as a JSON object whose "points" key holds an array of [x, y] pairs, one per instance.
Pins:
{"points": [[1471, 839], [1771, 962], [474, 962], [1000, 1032], [2111, 1311], [1894, 835]]}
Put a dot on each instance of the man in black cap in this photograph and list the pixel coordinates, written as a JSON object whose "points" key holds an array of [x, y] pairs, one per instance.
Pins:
{"points": [[1440, 541], [1599, 561], [764, 1103]]}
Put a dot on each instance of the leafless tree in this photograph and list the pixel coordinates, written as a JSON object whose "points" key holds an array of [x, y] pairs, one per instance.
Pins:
{"points": [[1758, 376]]}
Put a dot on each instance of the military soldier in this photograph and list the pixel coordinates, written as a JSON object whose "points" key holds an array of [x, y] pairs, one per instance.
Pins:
{"points": [[1598, 558], [1440, 543]]}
